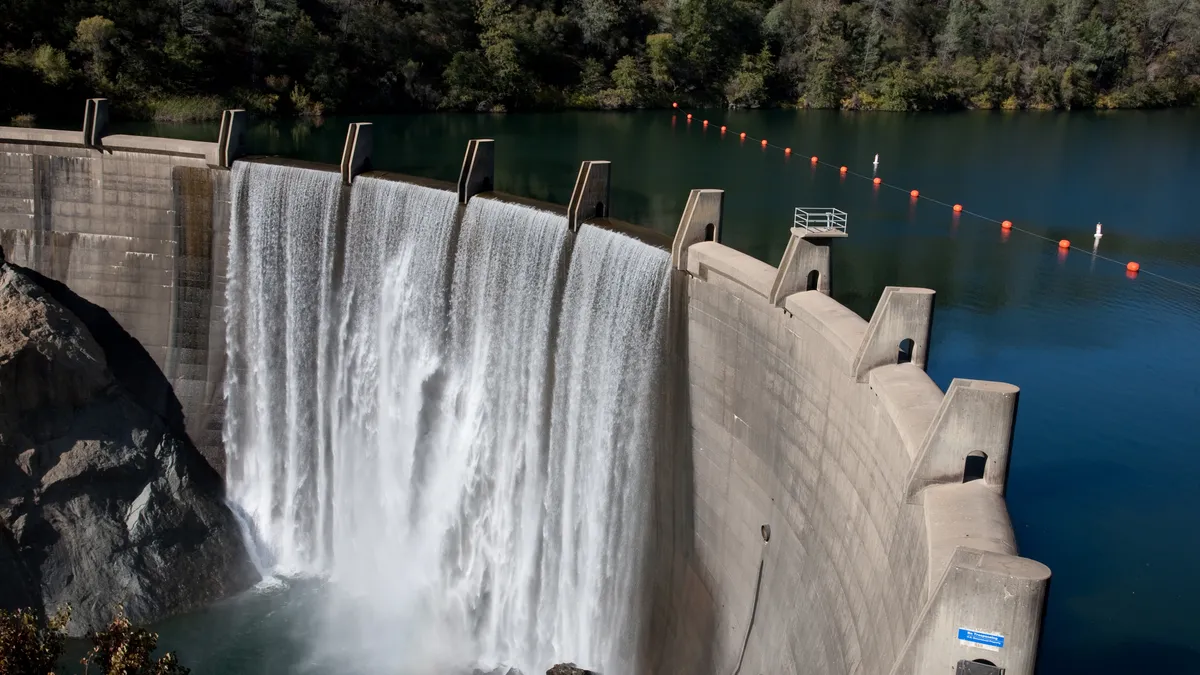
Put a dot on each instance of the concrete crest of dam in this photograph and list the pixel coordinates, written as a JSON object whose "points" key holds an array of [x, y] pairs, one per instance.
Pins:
{"points": [[818, 505]]}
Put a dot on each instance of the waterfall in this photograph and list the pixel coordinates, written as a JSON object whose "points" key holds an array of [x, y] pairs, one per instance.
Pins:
{"points": [[278, 304], [606, 400], [449, 422]]}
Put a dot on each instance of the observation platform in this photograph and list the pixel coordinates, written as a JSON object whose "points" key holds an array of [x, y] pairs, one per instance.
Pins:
{"points": [[819, 221]]}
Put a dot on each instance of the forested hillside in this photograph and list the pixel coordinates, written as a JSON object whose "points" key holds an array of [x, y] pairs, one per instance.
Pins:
{"points": [[186, 59]]}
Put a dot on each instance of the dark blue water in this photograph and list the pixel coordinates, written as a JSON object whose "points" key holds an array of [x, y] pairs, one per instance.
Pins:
{"points": [[1106, 464]]}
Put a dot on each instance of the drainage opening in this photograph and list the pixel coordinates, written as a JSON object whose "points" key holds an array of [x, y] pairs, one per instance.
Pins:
{"points": [[974, 465], [813, 277]]}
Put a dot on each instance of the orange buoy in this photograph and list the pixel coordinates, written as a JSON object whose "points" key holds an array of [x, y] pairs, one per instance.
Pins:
{"points": [[787, 151], [1064, 243], [743, 135], [674, 105], [877, 180], [814, 159], [722, 128], [689, 116], [764, 142], [958, 208], [914, 194], [844, 169], [1133, 267], [705, 122], [1006, 225]]}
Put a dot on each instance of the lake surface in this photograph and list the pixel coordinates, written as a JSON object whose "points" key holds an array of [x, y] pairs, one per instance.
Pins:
{"points": [[1103, 483]]}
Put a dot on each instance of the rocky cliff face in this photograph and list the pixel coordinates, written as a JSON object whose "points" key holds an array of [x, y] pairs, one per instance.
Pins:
{"points": [[103, 501]]}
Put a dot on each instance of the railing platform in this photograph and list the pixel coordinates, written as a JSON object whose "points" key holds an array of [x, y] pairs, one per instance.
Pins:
{"points": [[822, 221]]}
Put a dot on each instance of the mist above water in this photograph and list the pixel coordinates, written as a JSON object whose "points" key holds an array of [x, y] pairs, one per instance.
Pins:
{"points": [[454, 428]]}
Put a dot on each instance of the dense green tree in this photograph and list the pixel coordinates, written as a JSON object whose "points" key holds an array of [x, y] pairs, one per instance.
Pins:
{"points": [[748, 86], [186, 59]]}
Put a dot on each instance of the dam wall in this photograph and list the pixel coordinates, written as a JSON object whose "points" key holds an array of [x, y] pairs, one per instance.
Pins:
{"points": [[848, 516], [820, 506], [138, 227]]}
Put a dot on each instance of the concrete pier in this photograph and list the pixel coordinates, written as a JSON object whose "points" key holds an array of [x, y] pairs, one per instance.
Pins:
{"points": [[592, 194], [356, 156], [478, 170]]}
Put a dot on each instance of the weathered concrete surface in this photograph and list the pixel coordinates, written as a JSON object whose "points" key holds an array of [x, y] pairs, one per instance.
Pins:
{"points": [[138, 228], [803, 419]]}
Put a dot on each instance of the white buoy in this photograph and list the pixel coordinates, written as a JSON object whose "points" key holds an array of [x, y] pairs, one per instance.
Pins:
{"points": [[876, 159], [1098, 233]]}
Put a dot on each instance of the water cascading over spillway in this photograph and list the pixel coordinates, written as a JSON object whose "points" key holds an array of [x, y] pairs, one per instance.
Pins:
{"points": [[453, 424], [278, 304]]}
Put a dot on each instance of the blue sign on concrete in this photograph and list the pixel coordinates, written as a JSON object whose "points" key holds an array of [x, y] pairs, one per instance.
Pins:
{"points": [[976, 638]]}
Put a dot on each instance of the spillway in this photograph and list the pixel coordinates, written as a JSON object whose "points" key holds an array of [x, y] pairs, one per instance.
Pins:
{"points": [[452, 420]]}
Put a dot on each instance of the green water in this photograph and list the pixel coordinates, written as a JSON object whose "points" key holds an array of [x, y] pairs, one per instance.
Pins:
{"points": [[1103, 481]]}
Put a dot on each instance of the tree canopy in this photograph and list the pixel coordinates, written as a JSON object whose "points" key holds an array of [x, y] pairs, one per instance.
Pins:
{"points": [[184, 59]]}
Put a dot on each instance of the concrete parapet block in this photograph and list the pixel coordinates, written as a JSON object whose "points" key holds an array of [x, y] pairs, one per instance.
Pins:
{"points": [[970, 438], [709, 257], [987, 606], [701, 221], [155, 145], [478, 172], [25, 136], [231, 141], [969, 515], [356, 156], [805, 267], [898, 331], [95, 121], [590, 198]]}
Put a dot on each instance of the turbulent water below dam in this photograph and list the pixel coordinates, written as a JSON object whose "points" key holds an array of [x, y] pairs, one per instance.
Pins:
{"points": [[450, 425]]}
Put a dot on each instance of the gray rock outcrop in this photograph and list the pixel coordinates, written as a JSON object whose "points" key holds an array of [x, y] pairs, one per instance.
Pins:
{"points": [[103, 501], [569, 669]]}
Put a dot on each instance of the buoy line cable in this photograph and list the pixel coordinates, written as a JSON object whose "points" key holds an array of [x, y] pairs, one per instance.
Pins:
{"points": [[843, 169]]}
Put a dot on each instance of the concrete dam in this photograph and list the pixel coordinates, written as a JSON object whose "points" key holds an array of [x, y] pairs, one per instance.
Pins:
{"points": [[545, 432]]}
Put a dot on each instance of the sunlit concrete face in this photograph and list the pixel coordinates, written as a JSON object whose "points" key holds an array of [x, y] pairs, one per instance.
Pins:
{"points": [[889, 546]]}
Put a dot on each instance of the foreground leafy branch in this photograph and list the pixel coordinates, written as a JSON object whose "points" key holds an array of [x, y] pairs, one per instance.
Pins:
{"points": [[29, 646]]}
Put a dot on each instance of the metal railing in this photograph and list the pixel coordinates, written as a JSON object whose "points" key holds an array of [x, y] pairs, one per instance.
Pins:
{"points": [[820, 219]]}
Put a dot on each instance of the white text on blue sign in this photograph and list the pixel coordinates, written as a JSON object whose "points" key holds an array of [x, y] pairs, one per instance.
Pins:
{"points": [[977, 638]]}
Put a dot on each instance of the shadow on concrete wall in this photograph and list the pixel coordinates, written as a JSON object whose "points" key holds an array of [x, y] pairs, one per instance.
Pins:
{"points": [[128, 360], [679, 618]]}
